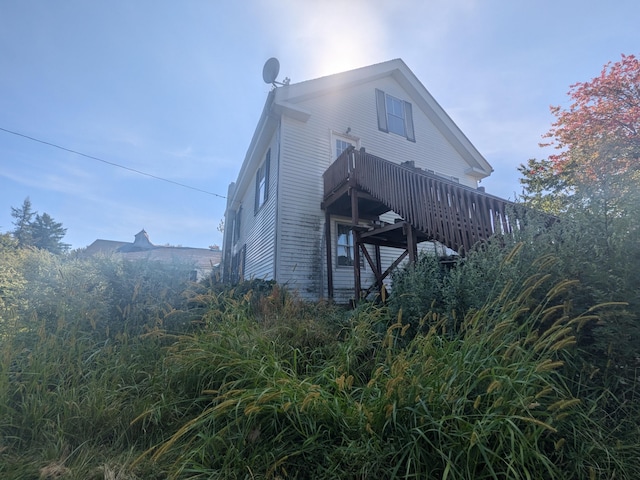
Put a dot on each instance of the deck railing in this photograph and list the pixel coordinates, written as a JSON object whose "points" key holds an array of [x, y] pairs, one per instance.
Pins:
{"points": [[453, 214], [338, 172]]}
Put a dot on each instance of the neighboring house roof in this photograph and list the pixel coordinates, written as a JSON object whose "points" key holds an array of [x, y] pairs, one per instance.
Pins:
{"points": [[140, 244], [142, 248], [283, 101], [103, 247]]}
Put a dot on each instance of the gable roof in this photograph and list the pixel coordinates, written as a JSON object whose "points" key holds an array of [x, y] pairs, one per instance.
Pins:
{"points": [[284, 101], [101, 246], [142, 248]]}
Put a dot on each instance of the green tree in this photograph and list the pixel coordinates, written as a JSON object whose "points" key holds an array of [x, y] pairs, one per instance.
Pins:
{"points": [[23, 220], [543, 190], [43, 232], [47, 234]]}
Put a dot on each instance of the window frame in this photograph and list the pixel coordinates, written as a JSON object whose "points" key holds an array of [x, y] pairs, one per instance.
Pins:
{"points": [[238, 261], [349, 246], [395, 119], [341, 137], [262, 183], [384, 115], [237, 219]]}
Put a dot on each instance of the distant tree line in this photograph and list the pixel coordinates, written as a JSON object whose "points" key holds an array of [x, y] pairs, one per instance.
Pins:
{"points": [[35, 230]]}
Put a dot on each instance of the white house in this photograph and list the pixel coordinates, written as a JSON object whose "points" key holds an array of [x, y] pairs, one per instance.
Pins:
{"points": [[289, 218]]}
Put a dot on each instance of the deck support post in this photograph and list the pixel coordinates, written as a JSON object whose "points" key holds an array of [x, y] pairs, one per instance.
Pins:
{"points": [[355, 220], [355, 215], [329, 252], [412, 245], [357, 283], [378, 268]]}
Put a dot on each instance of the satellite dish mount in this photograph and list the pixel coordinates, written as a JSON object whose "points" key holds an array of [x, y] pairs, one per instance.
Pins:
{"points": [[270, 72]]}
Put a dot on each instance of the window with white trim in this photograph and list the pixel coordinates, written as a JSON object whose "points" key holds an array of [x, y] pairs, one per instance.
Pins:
{"points": [[341, 146], [345, 247], [262, 183], [236, 226], [395, 115], [340, 142]]}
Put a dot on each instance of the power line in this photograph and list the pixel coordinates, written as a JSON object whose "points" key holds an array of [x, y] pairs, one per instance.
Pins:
{"points": [[110, 163]]}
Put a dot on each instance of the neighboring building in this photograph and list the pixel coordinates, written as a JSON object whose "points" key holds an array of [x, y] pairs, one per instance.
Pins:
{"points": [[297, 213], [203, 260]]}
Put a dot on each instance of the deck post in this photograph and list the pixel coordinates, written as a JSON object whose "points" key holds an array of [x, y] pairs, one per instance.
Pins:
{"points": [[354, 206], [355, 219], [327, 240], [412, 246], [356, 265]]}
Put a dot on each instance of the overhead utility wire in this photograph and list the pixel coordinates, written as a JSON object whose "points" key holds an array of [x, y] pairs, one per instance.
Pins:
{"points": [[109, 163]]}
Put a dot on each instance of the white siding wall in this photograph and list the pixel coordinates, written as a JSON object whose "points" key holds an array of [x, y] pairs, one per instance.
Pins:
{"points": [[430, 151], [301, 220], [306, 152], [258, 231]]}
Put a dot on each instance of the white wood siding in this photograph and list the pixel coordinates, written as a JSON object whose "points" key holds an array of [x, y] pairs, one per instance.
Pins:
{"points": [[301, 220], [307, 151], [430, 151], [258, 230]]}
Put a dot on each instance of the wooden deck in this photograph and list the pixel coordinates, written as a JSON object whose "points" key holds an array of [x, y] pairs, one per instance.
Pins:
{"points": [[363, 187]]}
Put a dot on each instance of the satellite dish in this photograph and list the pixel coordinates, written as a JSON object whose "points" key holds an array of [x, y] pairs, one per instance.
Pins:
{"points": [[270, 70]]}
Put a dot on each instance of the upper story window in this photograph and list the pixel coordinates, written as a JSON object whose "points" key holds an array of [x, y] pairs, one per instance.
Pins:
{"points": [[395, 115], [341, 146], [340, 142], [262, 182], [236, 226]]}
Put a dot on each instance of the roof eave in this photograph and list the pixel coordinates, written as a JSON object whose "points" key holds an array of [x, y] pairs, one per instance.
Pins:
{"points": [[265, 125], [479, 167]]}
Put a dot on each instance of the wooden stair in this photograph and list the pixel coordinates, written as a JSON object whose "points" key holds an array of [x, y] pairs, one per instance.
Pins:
{"points": [[363, 187]]}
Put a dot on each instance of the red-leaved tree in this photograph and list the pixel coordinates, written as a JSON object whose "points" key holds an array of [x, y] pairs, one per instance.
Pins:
{"points": [[592, 182], [597, 138], [599, 134]]}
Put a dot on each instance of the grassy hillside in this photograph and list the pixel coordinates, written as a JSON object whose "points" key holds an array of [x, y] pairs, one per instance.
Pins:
{"points": [[113, 370]]}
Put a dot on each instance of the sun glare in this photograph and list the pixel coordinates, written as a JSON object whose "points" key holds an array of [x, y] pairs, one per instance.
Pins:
{"points": [[333, 37]]}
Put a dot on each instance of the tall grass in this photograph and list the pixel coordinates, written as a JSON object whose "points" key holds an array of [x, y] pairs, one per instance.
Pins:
{"points": [[488, 401], [71, 381], [65, 395], [252, 383]]}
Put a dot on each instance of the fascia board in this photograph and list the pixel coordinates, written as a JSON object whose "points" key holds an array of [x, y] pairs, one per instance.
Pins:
{"points": [[476, 172], [289, 110], [397, 69], [299, 92], [261, 137], [272, 112]]}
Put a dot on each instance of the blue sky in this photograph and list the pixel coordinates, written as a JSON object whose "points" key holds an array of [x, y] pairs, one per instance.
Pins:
{"points": [[174, 89]]}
